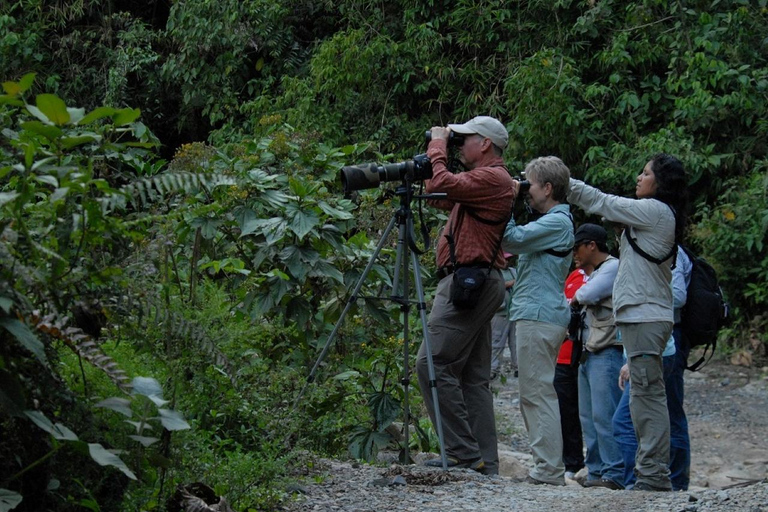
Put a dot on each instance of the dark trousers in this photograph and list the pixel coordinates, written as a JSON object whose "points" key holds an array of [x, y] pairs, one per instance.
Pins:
{"points": [[567, 388]]}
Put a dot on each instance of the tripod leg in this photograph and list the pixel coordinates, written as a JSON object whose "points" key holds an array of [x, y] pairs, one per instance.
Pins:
{"points": [[422, 305], [352, 299]]}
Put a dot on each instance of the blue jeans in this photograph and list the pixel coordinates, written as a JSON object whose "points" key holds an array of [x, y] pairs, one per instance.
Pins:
{"points": [[680, 444], [599, 395]]}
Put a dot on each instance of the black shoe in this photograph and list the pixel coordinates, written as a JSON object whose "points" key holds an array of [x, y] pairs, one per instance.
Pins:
{"points": [[643, 486], [604, 482], [452, 462]]}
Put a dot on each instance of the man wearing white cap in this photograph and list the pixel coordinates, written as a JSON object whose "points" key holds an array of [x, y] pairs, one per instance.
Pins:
{"points": [[480, 202]]}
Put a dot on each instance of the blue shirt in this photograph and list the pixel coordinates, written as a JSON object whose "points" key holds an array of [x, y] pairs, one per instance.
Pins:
{"points": [[538, 292]]}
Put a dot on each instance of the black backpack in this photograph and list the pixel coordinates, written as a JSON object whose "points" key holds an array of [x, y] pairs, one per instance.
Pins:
{"points": [[705, 310]]}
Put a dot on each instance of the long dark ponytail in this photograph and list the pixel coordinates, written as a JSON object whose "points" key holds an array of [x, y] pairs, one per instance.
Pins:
{"points": [[672, 189]]}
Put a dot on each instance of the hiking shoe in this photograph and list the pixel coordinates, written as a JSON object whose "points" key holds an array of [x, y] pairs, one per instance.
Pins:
{"points": [[533, 481], [604, 482], [452, 462], [644, 486]]}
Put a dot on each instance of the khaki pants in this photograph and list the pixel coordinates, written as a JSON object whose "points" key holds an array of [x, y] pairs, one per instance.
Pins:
{"points": [[645, 343], [461, 354], [537, 346]]}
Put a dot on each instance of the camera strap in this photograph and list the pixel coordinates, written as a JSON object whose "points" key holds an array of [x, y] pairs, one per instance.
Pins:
{"points": [[561, 254]]}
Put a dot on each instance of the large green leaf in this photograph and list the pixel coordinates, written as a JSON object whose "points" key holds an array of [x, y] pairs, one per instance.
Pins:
{"points": [[327, 270], [71, 142], [299, 311], [299, 260], [9, 500], [209, 227], [38, 114], [334, 212], [96, 114], [302, 222], [126, 116], [146, 386], [172, 420], [385, 408], [121, 405], [75, 114], [7, 197], [274, 198], [273, 229], [144, 440], [365, 444], [106, 458], [57, 430], [48, 131], [26, 337], [54, 108]]}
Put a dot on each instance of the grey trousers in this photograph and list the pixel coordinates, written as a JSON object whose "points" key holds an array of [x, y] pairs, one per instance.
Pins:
{"points": [[645, 343], [502, 336], [461, 354], [537, 346]]}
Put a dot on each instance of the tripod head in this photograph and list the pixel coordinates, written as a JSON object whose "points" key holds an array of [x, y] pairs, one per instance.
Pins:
{"points": [[405, 215]]}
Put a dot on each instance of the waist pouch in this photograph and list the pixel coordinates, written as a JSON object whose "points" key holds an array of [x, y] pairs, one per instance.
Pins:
{"points": [[467, 286]]}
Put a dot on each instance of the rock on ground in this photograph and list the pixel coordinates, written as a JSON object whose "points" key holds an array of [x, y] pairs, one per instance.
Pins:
{"points": [[727, 408]]}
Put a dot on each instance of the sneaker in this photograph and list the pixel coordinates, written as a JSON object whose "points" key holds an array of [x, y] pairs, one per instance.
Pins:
{"points": [[644, 486], [452, 462], [570, 475], [604, 482]]}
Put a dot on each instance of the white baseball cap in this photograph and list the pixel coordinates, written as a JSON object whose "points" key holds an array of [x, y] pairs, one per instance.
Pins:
{"points": [[487, 127]]}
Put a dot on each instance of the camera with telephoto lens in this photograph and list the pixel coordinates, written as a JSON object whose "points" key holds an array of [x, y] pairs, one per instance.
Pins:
{"points": [[362, 176], [524, 186], [371, 175]]}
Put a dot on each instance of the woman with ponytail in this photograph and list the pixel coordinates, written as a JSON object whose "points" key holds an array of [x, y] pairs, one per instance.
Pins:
{"points": [[642, 297]]}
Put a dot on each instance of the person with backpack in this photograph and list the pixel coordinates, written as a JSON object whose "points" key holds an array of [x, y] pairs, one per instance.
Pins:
{"points": [[642, 297], [675, 358]]}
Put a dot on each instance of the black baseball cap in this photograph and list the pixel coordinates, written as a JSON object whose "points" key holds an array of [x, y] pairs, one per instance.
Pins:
{"points": [[590, 233]]}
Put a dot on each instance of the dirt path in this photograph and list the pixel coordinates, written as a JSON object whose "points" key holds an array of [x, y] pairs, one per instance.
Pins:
{"points": [[727, 408]]}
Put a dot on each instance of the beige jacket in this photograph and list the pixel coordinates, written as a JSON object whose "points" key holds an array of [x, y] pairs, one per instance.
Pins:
{"points": [[642, 291]]}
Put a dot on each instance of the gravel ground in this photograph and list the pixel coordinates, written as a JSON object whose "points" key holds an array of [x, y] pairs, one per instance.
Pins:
{"points": [[727, 409]]}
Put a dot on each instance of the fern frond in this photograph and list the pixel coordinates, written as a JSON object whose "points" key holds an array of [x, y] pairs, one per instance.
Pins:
{"points": [[146, 191], [150, 312], [81, 344]]}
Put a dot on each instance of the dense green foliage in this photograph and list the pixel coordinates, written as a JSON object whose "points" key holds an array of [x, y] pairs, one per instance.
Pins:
{"points": [[186, 224]]}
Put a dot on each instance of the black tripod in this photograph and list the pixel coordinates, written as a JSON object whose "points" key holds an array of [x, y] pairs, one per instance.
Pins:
{"points": [[406, 246]]}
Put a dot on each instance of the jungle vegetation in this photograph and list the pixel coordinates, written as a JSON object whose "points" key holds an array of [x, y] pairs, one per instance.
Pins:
{"points": [[175, 246]]}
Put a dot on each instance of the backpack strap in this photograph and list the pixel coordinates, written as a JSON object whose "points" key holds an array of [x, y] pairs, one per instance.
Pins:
{"points": [[477, 217], [452, 240], [638, 250]]}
